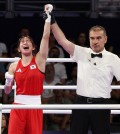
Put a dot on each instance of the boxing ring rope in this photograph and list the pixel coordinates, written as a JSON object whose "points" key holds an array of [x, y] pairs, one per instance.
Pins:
{"points": [[60, 111], [54, 108], [63, 87], [48, 59]]}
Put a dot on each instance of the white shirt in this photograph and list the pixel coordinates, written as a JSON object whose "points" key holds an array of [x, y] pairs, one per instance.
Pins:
{"points": [[95, 80], [62, 55], [47, 93], [60, 71]]}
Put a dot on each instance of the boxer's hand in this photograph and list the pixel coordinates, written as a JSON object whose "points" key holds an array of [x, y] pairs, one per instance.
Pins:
{"points": [[48, 8], [46, 14]]}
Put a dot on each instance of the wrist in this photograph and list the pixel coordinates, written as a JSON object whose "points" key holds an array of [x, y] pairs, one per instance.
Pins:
{"points": [[52, 18], [8, 82], [48, 18]]}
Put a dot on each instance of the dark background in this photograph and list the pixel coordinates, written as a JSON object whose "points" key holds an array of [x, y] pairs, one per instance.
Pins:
{"points": [[71, 26]]}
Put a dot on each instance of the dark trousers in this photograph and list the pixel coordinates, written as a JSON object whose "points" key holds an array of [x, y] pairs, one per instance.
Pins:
{"points": [[98, 120]]}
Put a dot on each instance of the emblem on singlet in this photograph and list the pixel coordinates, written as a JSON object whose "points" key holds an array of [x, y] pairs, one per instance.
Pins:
{"points": [[32, 66]]}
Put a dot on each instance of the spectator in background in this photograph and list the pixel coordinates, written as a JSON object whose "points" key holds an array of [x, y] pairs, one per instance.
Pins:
{"points": [[53, 43], [24, 32], [48, 94], [50, 79], [82, 39], [111, 49], [57, 122], [60, 69], [3, 54], [71, 94], [14, 51], [2, 72], [73, 75], [4, 124], [3, 50]]}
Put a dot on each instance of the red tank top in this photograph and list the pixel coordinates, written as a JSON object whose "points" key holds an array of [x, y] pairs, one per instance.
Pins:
{"points": [[29, 79]]}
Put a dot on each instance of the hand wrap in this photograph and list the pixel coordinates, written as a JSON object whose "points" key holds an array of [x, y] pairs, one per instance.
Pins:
{"points": [[9, 79], [48, 19], [48, 11]]}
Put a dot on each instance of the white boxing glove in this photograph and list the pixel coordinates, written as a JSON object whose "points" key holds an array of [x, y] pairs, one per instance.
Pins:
{"points": [[9, 79]]}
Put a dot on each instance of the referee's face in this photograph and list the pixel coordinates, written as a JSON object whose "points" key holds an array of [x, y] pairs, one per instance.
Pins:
{"points": [[97, 40]]}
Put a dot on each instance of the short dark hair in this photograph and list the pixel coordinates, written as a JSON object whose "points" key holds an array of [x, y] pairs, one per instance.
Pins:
{"points": [[98, 28]]}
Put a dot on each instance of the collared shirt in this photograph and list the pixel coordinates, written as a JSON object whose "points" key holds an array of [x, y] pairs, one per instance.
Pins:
{"points": [[95, 75]]}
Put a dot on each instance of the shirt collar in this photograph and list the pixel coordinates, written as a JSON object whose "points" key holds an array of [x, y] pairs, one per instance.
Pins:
{"points": [[103, 52]]}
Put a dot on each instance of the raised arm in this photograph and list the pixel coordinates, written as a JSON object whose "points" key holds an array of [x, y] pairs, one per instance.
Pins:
{"points": [[42, 55], [60, 37]]}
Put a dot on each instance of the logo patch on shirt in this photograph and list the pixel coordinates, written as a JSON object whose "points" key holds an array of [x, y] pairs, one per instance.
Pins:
{"points": [[32, 66], [19, 70]]}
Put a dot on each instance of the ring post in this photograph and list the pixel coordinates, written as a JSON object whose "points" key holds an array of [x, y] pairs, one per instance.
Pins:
{"points": [[0, 117]]}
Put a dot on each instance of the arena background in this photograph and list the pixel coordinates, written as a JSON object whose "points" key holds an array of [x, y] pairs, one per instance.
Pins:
{"points": [[9, 28]]}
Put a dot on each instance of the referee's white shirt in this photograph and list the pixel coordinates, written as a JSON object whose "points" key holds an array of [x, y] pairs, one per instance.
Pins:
{"points": [[94, 75]]}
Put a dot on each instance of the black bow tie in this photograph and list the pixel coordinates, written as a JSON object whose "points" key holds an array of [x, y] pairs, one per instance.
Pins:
{"points": [[96, 55]]}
